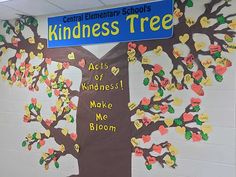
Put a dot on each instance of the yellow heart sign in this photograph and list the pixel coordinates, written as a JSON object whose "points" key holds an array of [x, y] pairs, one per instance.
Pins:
{"points": [[169, 122], [40, 55], [207, 81], [207, 62], [180, 130], [199, 45], [188, 79], [190, 21], [139, 112], [232, 25], [155, 118], [173, 150], [62, 148], [38, 136], [178, 73], [146, 61], [132, 106], [177, 101], [158, 51], [77, 148], [31, 55], [168, 161], [183, 39], [47, 133], [71, 56], [138, 124], [148, 74], [31, 40], [134, 142], [205, 22], [64, 131], [40, 46], [115, 70]]}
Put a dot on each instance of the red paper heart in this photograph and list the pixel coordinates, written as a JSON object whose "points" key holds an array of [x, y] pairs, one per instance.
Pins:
{"points": [[66, 65], [153, 86], [165, 82], [187, 117], [54, 109], [195, 101], [82, 63], [50, 151], [157, 149], [18, 55], [197, 75], [34, 101], [164, 108], [157, 68], [48, 61], [146, 121], [57, 92], [196, 137], [48, 122], [131, 46], [220, 69], [145, 101], [42, 142], [146, 138], [151, 160], [73, 136], [215, 48], [163, 130], [138, 152], [197, 89], [68, 83], [142, 49], [189, 59]]}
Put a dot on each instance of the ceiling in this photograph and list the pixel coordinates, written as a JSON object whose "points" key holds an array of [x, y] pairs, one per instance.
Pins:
{"points": [[11, 8]]}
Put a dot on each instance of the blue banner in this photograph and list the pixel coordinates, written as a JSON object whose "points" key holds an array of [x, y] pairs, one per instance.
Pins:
{"points": [[130, 23]]}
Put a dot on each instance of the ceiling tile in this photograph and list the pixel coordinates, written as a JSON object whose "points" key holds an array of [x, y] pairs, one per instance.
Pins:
{"points": [[7, 13], [72, 5], [34, 7], [115, 2]]}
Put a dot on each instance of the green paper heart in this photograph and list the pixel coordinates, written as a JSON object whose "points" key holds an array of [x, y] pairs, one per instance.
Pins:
{"points": [[188, 135], [219, 78], [149, 167], [161, 92], [216, 55], [41, 161], [196, 108], [146, 81], [161, 73], [56, 164], [171, 109], [189, 3], [178, 122], [221, 19], [24, 143]]}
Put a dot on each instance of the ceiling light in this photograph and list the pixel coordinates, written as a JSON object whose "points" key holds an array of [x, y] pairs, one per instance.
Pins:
{"points": [[3, 1]]}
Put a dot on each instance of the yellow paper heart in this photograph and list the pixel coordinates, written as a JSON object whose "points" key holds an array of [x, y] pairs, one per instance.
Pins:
{"points": [[131, 53], [148, 74], [39, 118], [64, 131], [155, 118], [232, 25], [132, 106], [132, 59], [53, 117], [169, 161], [171, 87], [134, 142], [138, 124], [45, 156], [199, 45], [169, 122], [31, 55], [4, 50], [231, 48], [180, 130], [184, 38], [178, 73], [177, 52], [158, 51], [62, 148], [59, 104], [115, 70], [205, 23], [59, 66], [206, 62], [146, 61], [40, 46], [38, 136], [22, 51], [203, 117], [139, 112], [77, 148], [31, 40], [40, 55], [177, 101], [207, 81], [177, 13], [71, 56], [220, 61], [188, 79], [173, 150], [206, 128], [190, 21], [47, 133]]}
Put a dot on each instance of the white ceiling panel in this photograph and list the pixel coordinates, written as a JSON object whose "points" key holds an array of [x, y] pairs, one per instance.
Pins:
{"points": [[115, 2], [7, 13], [72, 5], [33, 7]]}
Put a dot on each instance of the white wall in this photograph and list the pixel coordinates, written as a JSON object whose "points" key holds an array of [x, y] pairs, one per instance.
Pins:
{"points": [[215, 158]]}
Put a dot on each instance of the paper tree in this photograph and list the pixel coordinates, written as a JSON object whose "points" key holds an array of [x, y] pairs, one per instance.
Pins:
{"points": [[103, 149]]}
